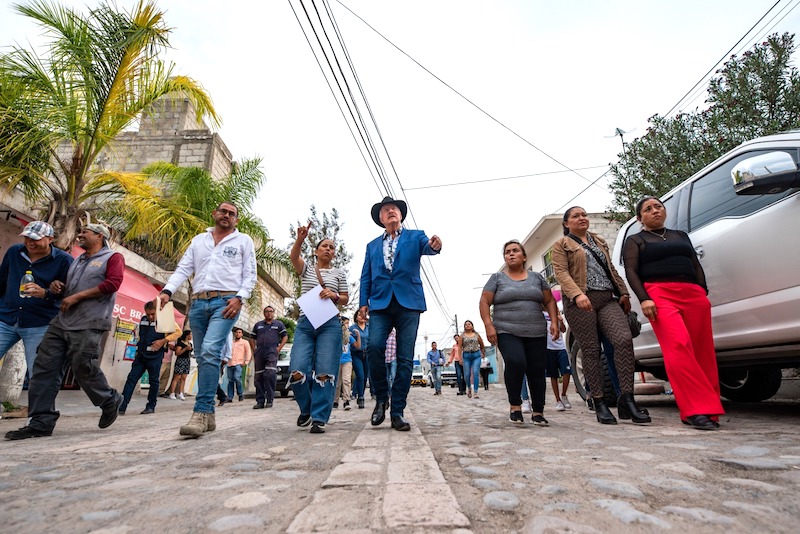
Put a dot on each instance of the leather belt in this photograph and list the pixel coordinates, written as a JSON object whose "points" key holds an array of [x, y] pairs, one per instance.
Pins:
{"points": [[205, 295]]}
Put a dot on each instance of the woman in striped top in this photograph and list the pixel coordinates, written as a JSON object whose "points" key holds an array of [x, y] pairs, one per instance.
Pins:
{"points": [[316, 351]]}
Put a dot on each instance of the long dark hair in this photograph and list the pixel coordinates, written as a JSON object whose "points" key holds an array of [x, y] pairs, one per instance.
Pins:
{"points": [[566, 216], [185, 332]]}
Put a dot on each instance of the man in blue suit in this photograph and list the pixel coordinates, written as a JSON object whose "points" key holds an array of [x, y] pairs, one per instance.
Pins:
{"points": [[391, 291]]}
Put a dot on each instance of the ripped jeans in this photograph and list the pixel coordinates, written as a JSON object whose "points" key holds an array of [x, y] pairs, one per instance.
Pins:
{"points": [[315, 354]]}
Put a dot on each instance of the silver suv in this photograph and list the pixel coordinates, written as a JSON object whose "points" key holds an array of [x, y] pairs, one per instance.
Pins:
{"points": [[742, 213]]}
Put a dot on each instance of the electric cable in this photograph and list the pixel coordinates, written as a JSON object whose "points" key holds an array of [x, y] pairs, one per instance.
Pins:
{"points": [[470, 102]]}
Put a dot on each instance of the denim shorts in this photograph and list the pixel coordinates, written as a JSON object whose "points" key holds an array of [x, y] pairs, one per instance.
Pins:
{"points": [[557, 363]]}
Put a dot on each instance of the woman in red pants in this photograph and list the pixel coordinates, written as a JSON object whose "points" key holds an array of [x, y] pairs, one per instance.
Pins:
{"points": [[664, 272]]}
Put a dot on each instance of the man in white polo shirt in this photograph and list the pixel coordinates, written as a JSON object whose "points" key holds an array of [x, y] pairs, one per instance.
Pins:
{"points": [[223, 263]]}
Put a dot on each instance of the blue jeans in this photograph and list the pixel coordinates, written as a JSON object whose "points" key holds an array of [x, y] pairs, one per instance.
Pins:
{"points": [[234, 378], [462, 384], [360, 368], [316, 353], [209, 332], [472, 364], [138, 367], [31, 337], [406, 323], [436, 376], [391, 372]]}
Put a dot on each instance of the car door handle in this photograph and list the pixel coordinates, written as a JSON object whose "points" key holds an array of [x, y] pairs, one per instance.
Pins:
{"points": [[700, 252]]}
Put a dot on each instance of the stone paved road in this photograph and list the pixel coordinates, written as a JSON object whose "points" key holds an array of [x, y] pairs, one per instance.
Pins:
{"points": [[463, 468]]}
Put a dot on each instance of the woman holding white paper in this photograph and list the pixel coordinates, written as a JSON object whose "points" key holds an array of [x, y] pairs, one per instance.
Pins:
{"points": [[316, 351]]}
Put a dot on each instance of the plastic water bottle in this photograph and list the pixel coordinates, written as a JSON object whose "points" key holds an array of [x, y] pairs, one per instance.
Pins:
{"points": [[26, 279]]}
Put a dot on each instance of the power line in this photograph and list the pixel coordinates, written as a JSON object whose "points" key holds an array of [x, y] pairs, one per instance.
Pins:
{"points": [[724, 56], [327, 81], [470, 102], [454, 184], [375, 164]]}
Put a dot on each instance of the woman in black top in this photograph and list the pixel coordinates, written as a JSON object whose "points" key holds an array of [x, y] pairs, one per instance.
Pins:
{"points": [[183, 353], [667, 278]]}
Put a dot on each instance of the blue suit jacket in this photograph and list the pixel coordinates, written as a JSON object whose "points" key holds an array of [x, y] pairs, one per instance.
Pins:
{"points": [[378, 284]]}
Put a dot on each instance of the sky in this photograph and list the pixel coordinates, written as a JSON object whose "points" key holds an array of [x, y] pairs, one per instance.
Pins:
{"points": [[557, 78]]}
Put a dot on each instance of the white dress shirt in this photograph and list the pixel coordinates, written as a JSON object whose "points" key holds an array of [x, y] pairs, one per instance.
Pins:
{"points": [[228, 266]]}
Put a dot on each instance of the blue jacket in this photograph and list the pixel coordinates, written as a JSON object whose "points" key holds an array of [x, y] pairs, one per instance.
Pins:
{"points": [[30, 312], [378, 284]]}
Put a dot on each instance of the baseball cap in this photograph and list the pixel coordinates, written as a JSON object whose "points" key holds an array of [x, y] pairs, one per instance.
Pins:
{"points": [[37, 230], [98, 229]]}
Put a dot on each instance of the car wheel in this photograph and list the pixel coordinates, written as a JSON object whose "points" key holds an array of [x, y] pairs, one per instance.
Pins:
{"points": [[749, 385], [284, 393], [578, 378]]}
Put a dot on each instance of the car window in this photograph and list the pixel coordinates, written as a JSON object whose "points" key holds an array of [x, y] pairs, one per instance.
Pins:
{"points": [[713, 197]]}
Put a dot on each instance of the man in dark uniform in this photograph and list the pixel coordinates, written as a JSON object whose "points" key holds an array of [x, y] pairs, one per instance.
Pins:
{"points": [[270, 337], [149, 353]]}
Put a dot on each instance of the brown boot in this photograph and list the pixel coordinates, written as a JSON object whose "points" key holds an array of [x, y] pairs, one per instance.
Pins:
{"points": [[211, 422], [196, 425]]}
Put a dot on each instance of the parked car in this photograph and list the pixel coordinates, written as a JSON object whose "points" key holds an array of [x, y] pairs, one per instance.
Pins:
{"points": [[282, 385], [449, 377], [418, 376], [742, 213]]}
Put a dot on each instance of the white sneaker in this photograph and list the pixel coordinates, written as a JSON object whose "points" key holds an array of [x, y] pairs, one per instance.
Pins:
{"points": [[172, 396], [181, 396], [526, 406], [565, 402], [560, 406]]}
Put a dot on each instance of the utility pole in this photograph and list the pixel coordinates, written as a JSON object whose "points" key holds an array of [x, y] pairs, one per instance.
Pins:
{"points": [[456, 323]]}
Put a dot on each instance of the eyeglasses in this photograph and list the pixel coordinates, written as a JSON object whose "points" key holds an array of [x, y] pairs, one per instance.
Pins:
{"points": [[227, 212]]}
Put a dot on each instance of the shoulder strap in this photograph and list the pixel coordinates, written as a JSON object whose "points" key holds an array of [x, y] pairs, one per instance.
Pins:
{"points": [[319, 276], [600, 261]]}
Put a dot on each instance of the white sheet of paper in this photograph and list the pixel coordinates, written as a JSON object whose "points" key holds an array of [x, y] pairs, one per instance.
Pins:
{"points": [[319, 311], [165, 318]]}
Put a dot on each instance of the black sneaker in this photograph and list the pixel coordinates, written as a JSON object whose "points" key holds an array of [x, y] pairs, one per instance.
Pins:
{"points": [[335, 405], [268, 405], [304, 419], [110, 414], [516, 417], [317, 428], [147, 411], [346, 405], [360, 403], [539, 420], [258, 406], [28, 432]]}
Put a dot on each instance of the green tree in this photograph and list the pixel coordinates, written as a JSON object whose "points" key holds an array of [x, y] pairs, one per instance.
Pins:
{"points": [[325, 227], [159, 214], [58, 111], [291, 326], [752, 95]]}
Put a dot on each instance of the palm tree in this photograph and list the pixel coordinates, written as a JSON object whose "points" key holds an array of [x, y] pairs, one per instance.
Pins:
{"points": [[59, 111], [160, 211]]}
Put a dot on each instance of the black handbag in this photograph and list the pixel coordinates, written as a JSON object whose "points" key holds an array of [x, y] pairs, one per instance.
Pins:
{"points": [[633, 317]]}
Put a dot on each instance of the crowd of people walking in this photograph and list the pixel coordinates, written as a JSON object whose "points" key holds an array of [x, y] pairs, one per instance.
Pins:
{"points": [[517, 306]]}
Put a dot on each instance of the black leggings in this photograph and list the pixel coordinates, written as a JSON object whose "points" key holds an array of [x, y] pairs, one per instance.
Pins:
{"points": [[524, 356]]}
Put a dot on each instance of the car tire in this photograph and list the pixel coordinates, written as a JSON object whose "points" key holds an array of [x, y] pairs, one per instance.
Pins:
{"points": [[749, 385], [575, 361], [284, 393]]}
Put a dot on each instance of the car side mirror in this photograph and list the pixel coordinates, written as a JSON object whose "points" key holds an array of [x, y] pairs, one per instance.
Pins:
{"points": [[766, 174]]}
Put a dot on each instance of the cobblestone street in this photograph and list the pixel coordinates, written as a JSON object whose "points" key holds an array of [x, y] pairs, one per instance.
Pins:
{"points": [[462, 468]]}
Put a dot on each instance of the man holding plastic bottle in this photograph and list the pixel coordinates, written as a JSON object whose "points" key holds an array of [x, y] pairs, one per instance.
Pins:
{"points": [[26, 309]]}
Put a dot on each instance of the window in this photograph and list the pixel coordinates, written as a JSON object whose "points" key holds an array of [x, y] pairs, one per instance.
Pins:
{"points": [[713, 196], [547, 272]]}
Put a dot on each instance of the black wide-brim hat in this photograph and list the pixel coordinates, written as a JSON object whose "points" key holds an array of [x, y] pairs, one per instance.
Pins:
{"points": [[376, 209]]}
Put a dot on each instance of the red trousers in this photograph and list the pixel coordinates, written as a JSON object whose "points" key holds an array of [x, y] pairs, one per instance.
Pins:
{"points": [[683, 329]]}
